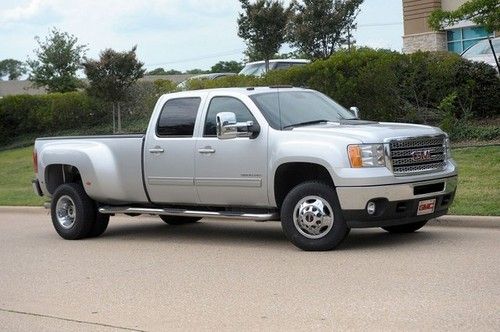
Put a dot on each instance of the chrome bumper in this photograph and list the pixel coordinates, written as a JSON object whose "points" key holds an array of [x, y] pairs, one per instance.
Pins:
{"points": [[356, 198]]}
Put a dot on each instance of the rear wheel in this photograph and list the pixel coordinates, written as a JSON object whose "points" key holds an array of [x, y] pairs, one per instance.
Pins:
{"points": [[73, 212], [100, 225], [407, 228], [174, 220], [311, 217]]}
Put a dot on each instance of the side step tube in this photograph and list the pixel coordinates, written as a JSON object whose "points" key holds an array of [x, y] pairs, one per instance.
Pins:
{"points": [[190, 213]]}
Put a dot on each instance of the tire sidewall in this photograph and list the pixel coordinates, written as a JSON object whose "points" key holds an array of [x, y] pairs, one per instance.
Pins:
{"points": [[336, 234], [85, 212]]}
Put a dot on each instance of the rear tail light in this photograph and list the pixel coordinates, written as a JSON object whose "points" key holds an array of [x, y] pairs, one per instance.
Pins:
{"points": [[35, 161]]}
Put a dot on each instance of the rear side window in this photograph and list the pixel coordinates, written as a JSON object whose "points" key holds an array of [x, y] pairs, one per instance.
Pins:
{"points": [[225, 104], [178, 116]]}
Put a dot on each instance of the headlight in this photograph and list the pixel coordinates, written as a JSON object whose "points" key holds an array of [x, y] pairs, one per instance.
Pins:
{"points": [[366, 155], [447, 148]]}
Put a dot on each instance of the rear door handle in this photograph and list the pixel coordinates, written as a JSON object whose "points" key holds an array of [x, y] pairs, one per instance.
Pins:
{"points": [[156, 150], [206, 150]]}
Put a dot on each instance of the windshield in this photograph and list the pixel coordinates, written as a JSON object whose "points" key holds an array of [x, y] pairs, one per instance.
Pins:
{"points": [[255, 69], [482, 48], [288, 108]]}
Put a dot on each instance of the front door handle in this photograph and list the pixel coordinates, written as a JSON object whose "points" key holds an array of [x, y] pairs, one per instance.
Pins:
{"points": [[156, 149], [206, 150]]}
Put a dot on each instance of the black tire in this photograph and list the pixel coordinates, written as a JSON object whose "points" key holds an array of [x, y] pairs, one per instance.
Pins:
{"points": [[176, 221], [100, 225], [84, 212], [406, 228], [336, 234]]}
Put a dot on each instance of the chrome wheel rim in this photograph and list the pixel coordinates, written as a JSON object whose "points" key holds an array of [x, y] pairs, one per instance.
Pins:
{"points": [[65, 212], [313, 217]]}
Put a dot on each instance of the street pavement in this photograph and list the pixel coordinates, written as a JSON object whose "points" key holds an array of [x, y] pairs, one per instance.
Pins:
{"points": [[234, 275]]}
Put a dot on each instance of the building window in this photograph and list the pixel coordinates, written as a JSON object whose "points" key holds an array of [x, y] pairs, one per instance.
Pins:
{"points": [[461, 39]]}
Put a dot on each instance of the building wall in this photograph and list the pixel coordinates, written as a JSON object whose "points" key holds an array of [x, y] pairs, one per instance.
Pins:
{"points": [[418, 34], [452, 4]]}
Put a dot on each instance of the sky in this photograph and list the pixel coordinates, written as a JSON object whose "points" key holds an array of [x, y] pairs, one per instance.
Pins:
{"points": [[173, 34]]}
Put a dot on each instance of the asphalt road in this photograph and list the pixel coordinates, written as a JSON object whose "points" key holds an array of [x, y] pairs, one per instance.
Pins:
{"points": [[232, 275]]}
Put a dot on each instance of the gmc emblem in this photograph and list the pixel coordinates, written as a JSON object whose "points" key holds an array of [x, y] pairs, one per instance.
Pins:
{"points": [[421, 155]]}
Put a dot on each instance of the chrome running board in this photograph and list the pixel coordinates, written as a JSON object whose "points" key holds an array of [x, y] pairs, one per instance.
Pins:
{"points": [[189, 213]]}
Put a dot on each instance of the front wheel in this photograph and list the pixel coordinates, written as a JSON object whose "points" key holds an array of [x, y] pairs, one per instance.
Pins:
{"points": [[175, 221], [311, 217], [406, 228]]}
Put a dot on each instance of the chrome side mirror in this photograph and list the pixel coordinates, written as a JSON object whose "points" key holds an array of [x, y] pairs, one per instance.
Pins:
{"points": [[355, 111], [228, 127]]}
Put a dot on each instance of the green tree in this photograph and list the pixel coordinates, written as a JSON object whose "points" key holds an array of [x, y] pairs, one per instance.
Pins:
{"points": [[12, 68], [111, 77], [196, 71], [319, 27], [157, 71], [482, 12], [263, 26], [58, 60], [227, 67], [173, 72]]}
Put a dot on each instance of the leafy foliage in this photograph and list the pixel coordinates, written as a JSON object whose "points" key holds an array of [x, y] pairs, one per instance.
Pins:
{"points": [[482, 12], [58, 60], [391, 86], [263, 26], [319, 27], [439, 89], [12, 68], [227, 67], [196, 71], [112, 75]]}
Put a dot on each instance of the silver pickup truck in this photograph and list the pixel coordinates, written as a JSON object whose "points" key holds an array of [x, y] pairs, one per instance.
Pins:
{"points": [[267, 153]]}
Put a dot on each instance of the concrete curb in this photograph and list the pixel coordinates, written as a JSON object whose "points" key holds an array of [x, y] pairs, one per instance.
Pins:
{"points": [[448, 220], [23, 209], [467, 221]]}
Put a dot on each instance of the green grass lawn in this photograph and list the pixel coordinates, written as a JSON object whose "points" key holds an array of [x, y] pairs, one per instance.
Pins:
{"points": [[16, 173], [478, 192]]}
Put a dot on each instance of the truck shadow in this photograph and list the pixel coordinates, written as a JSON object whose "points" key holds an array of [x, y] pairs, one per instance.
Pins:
{"points": [[256, 234]]}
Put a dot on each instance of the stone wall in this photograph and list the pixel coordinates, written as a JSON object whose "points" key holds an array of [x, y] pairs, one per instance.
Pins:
{"points": [[427, 41]]}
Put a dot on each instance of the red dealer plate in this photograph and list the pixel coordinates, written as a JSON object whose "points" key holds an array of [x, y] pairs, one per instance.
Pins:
{"points": [[426, 207]]}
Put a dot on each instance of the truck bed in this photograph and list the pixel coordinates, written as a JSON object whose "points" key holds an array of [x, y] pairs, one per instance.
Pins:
{"points": [[110, 165]]}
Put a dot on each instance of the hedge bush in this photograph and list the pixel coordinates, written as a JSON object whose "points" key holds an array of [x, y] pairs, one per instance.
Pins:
{"points": [[434, 88], [391, 86]]}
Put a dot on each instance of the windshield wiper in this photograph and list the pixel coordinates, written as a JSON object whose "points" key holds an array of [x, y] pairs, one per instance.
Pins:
{"points": [[307, 123]]}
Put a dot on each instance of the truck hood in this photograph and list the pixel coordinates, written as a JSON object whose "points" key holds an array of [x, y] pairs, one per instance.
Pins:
{"points": [[368, 131]]}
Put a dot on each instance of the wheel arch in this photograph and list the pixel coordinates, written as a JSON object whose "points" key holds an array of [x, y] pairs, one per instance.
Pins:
{"points": [[291, 173], [58, 174]]}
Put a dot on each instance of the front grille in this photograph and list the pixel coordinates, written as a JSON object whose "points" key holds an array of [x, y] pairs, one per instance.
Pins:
{"points": [[418, 155]]}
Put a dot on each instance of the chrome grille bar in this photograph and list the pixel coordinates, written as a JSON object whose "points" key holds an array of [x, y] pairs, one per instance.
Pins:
{"points": [[417, 155]]}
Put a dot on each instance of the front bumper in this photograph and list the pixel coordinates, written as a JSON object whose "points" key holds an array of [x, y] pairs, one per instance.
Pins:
{"points": [[395, 204]]}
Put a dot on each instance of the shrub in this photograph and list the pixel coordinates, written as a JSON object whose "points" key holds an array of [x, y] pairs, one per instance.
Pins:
{"points": [[391, 86]]}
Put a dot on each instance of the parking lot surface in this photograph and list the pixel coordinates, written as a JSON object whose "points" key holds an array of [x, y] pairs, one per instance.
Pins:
{"points": [[229, 275]]}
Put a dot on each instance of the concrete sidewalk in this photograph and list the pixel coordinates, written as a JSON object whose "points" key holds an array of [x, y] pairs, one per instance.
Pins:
{"points": [[448, 220]]}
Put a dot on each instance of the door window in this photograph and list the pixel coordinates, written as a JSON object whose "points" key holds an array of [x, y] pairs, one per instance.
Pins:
{"points": [[225, 104], [177, 117]]}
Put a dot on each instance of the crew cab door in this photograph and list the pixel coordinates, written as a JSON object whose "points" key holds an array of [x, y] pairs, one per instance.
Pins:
{"points": [[169, 152], [231, 171]]}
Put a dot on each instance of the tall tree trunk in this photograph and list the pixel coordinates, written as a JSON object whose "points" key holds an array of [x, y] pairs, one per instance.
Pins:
{"points": [[114, 123], [119, 117]]}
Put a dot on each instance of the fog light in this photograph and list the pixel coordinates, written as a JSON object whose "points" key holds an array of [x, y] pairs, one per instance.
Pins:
{"points": [[370, 208]]}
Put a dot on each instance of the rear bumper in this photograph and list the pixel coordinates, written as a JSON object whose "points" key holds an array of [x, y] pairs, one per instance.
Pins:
{"points": [[395, 204], [36, 187]]}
